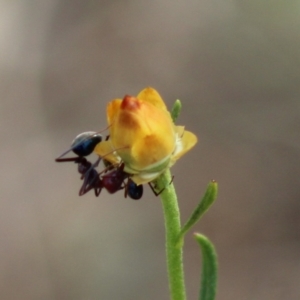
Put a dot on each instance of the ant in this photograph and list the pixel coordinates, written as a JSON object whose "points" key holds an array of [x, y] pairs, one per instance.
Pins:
{"points": [[83, 145]]}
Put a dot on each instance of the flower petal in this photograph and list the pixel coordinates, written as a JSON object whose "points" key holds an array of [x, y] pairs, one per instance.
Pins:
{"points": [[144, 177], [150, 95], [112, 110], [183, 144], [106, 151]]}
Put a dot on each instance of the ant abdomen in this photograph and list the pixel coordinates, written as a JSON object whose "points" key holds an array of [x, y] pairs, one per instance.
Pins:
{"points": [[134, 191]]}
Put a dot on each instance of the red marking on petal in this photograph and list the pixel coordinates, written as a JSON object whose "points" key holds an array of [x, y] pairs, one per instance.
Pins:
{"points": [[130, 103]]}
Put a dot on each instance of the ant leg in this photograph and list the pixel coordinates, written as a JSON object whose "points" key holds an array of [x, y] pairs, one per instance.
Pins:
{"points": [[109, 167], [158, 193], [85, 188], [60, 159], [154, 191], [92, 167], [97, 191], [75, 159], [92, 180], [126, 188], [171, 179], [126, 185], [91, 183]]}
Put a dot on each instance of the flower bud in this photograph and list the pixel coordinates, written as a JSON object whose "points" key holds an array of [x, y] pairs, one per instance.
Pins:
{"points": [[143, 136]]}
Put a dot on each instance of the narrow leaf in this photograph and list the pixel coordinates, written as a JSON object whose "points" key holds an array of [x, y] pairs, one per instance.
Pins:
{"points": [[208, 287], [176, 110], [207, 200]]}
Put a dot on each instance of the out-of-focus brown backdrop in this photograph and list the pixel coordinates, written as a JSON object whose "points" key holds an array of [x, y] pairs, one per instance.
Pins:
{"points": [[235, 66]]}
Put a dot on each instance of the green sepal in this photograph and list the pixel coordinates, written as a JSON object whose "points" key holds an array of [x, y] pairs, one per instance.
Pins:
{"points": [[176, 109], [207, 200], [209, 275]]}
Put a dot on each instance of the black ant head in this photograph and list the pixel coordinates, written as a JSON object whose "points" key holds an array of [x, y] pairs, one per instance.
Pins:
{"points": [[85, 143]]}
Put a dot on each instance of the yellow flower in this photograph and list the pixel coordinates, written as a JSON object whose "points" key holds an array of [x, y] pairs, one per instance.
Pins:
{"points": [[143, 136]]}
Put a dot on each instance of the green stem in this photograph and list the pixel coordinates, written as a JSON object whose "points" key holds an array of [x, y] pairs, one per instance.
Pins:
{"points": [[172, 227]]}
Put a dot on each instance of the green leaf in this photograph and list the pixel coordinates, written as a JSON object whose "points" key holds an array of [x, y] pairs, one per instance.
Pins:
{"points": [[209, 274], [175, 112], [207, 200]]}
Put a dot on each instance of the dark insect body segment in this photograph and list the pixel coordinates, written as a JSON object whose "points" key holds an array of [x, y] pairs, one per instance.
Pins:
{"points": [[134, 191], [84, 146], [114, 180]]}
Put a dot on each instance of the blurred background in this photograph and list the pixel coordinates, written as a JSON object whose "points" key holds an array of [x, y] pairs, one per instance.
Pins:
{"points": [[235, 66]]}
